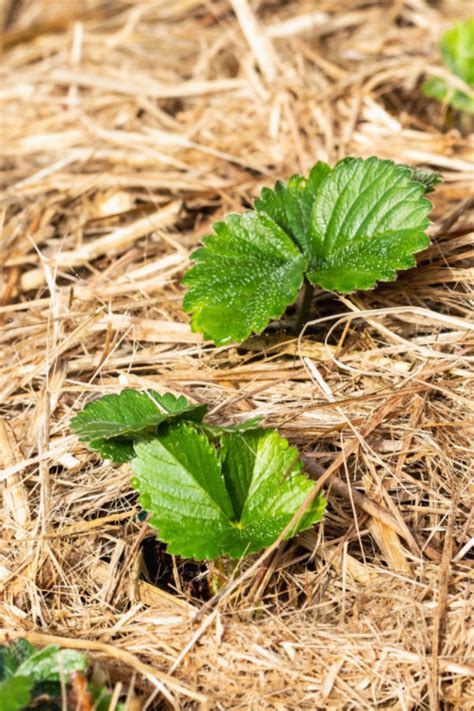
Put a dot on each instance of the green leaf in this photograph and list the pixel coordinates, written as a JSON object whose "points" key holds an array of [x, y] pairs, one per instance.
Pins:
{"points": [[31, 673], [113, 423], [264, 477], [27, 671], [50, 663], [118, 450], [369, 219], [15, 693], [457, 48], [12, 655], [207, 503], [437, 88], [103, 698], [217, 431], [245, 275], [290, 205]]}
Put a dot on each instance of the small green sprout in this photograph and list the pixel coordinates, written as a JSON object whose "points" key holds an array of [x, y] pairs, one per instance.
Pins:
{"points": [[457, 49]]}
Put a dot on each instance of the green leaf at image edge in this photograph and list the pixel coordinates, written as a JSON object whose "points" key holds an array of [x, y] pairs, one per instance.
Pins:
{"points": [[438, 88], [50, 663], [457, 48], [25, 670], [15, 693], [28, 674], [207, 503]]}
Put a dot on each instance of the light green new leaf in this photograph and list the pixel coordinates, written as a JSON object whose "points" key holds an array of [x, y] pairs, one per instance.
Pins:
{"points": [[457, 48], [290, 205], [111, 424], [245, 275], [15, 693], [207, 502], [368, 220]]}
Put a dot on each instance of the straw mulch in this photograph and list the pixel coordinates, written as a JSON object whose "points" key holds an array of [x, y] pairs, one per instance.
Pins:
{"points": [[128, 128]]}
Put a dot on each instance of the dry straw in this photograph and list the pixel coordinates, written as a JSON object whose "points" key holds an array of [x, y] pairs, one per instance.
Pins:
{"points": [[128, 128]]}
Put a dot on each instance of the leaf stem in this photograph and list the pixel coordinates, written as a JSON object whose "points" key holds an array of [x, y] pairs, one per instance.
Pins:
{"points": [[221, 570], [305, 305]]}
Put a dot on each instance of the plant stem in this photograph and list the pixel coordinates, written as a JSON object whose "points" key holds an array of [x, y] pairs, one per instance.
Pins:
{"points": [[221, 570], [304, 307]]}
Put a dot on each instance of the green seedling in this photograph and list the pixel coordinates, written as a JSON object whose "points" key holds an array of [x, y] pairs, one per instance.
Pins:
{"points": [[457, 50], [210, 491], [32, 678], [341, 229]]}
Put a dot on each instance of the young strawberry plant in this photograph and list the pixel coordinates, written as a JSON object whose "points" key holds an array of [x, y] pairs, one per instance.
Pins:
{"points": [[457, 49], [32, 678], [341, 229], [210, 491]]}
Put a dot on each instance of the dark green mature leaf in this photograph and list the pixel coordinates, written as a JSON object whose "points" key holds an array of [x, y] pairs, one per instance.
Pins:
{"points": [[207, 503], [457, 48], [131, 412], [113, 423], [15, 693], [290, 205], [118, 450], [13, 655], [369, 219], [245, 275]]}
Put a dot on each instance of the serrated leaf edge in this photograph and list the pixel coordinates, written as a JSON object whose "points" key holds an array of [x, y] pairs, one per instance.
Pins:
{"points": [[183, 551]]}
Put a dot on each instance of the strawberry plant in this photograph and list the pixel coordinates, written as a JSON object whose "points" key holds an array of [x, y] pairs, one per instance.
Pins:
{"points": [[32, 678], [27, 672], [341, 229], [457, 49], [210, 491]]}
